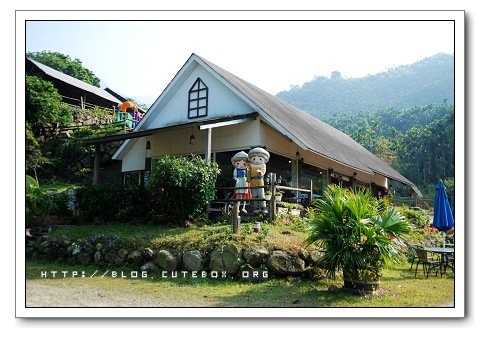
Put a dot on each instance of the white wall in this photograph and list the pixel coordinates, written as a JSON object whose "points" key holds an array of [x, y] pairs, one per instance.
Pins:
{"points": [[135, 157], [221, 102], [234, 137], [240, 136]]}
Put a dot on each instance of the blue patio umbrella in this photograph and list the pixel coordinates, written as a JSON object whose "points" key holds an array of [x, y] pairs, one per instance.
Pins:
{"points": [[442, 213]]}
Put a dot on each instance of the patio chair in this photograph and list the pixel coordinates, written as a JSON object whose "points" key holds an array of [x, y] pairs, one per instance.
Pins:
{"points": [[450, 262], [411, 254], [428, 263]]}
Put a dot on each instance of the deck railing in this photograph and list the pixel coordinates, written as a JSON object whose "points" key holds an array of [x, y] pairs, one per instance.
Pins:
{"points": [[273, 187]]}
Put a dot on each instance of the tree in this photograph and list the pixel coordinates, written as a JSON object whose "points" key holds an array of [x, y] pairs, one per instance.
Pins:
{"points": [[33, 154], [65, 64], [357, 232], [43, 105]]}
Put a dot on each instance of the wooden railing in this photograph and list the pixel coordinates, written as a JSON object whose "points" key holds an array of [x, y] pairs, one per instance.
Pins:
{"points": [[273, 187]]}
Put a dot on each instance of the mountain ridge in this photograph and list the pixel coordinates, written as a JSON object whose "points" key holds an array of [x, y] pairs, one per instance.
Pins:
{"points": [[428, 81]]}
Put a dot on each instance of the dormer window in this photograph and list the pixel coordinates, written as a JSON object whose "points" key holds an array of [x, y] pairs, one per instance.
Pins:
{"points": [[198, 100]]}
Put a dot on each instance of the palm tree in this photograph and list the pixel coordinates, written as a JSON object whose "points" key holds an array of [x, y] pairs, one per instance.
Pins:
{"points": [[357, 232]]}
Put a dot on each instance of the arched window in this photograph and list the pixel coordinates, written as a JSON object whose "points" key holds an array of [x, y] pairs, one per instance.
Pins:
{"points": [[198, 100]]}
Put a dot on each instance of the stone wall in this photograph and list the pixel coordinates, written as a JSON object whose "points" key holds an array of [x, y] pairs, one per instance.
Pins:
{"points": [[230, 259], [83, 117]]}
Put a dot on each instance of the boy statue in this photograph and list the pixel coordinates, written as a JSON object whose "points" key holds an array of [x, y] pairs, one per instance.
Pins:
{"points": [[258, 157]]}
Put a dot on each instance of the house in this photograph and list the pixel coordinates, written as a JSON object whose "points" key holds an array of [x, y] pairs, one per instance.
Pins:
{"points": [[73, 91], [208, 110], [79, 94]]}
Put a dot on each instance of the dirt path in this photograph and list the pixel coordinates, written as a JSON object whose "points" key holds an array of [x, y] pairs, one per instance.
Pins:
{"points": [[54, 293]]}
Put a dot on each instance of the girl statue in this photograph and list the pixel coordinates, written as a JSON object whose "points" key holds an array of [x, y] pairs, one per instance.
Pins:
{"points": [[240, 174]]}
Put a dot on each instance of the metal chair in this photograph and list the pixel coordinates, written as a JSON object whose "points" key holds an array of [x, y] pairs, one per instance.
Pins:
{"points": [[412, 254], [428, 263]]}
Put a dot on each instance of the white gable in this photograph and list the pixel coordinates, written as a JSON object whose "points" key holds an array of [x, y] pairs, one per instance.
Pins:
{"points": [[222, 102]]}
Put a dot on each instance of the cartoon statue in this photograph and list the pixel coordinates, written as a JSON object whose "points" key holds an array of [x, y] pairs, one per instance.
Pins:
{"points": [[258, 157], [240, 174]]}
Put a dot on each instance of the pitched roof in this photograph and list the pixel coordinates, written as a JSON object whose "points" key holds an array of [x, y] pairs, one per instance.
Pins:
{"points": [[74, 82], [307, 130]]}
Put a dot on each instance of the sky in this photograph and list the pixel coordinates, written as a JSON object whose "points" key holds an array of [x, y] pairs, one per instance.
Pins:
{"points": [[139, 58]]}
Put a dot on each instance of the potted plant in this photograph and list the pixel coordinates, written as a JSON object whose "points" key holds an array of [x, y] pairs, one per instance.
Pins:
{"points": [[278, 196], [359, 236], [296, 209], [268, 195]]}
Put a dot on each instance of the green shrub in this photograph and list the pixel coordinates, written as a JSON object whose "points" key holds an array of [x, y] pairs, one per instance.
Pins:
{"points": [[99, 201], [58, 204], [415, 217], [186, 185], [357, 233], [117, 203]]}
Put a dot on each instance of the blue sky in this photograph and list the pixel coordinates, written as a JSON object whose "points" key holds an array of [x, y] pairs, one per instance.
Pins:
{"points": [[139, 58]]}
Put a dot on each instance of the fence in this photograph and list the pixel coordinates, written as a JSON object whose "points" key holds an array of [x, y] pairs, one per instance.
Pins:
{"points": [[273, 187]]}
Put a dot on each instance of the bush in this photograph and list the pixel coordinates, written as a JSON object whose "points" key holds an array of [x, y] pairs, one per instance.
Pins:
{"points": [[117, 203], [357, 233], [40, 204], [415, 217], [97, 201], [186, 185]]}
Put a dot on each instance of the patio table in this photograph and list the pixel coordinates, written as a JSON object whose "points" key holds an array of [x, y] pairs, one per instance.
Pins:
{"points": [[443, 251]]}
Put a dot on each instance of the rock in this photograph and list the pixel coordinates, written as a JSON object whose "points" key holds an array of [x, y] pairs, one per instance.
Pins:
{"points": [[334, 289], [303, 254], [97, 257], [226, 258], [49, 252], [166, 260], [29, 251], [61, 252], [149, 266], [149, 254], [42, 239], [122, 253], [88, 248], [112, 258], [135, 258], [283, 264], [84, 258], [43, 245], [193, 261], [255, 256], [99, 246], [69, 250], [314, 257]]}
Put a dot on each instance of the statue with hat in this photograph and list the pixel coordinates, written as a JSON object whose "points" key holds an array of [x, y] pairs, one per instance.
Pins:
{"points": [[240, 174], [258, 158]]}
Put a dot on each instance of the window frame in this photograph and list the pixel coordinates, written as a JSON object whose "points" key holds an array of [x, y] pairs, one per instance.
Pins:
{"points": [[197, 88]]}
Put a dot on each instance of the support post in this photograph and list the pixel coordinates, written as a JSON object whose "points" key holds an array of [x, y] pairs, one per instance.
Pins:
{"points": [[235, 218], [295, 178], [273, 204], [311, 192], [208, 146], [96, 164]]}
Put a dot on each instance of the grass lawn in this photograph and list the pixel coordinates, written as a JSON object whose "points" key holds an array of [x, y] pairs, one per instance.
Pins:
{"points": [[399, 288], [202, 238]]}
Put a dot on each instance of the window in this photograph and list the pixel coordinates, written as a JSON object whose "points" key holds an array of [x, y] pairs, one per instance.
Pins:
{"points": [[198, 100]]}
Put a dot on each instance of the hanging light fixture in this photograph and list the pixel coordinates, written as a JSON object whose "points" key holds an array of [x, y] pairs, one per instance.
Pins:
{"points": [[192, 138]]}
